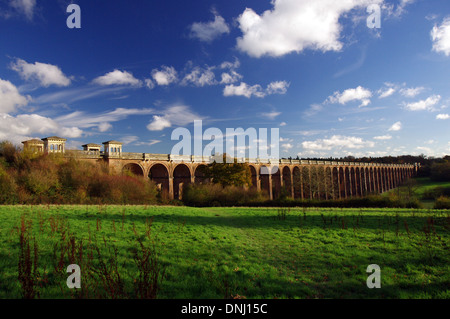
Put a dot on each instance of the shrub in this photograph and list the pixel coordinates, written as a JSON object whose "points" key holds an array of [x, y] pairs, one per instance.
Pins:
{"points": [[217, 195], [442, 203], [440, 172], [8, 188]]}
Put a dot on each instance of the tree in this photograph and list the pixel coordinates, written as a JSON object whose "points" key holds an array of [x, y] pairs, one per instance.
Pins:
{"points": [[228, 174]]}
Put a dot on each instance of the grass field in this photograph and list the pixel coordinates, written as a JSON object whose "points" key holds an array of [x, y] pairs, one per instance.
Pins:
{"points": [[224, 252]]}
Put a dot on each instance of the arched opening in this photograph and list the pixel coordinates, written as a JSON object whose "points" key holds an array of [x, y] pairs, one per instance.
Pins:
{"points": [[358, 182], [160, 176], [287, 183], [181, 177], [307, 181], [276, 182], [328, 183], [264, 174], [200, 177], [298, 187], [342, 183], [348, 182], [133, 169], [335, 183], [254, 177]]}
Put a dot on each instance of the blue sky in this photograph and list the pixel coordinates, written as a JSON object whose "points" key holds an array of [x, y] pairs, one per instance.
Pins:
{"points": [[137, 70]]}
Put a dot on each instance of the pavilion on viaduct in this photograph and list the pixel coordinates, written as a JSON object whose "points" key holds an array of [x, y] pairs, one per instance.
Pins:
{"points": [[299, 179]]}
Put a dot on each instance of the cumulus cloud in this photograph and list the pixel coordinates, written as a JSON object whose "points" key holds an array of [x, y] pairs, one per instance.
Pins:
{"points": [[422, 105], [279, 87], [46, 74], [396, 127], [248, 91], [230, 77], [104, 127], [200, 77], [21, 127], [178, 115], [10, 98], [442, 117], [244, 89], [387, 91], [357, 94], [159, 123], [295, 25], [117, 77], [209, 31], [440, 34], [286, 146], [165, 76], [412, 92], [337, 142]]}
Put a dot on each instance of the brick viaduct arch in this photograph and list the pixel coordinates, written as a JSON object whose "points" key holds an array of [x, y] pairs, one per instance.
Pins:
{"points": [[299, 179]]}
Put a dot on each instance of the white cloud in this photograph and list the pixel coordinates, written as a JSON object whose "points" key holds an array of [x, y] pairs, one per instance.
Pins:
{"points": [[271, 115], [412, 92], [248, 91], [209, 31], [398, 10], [286, 146], [117, 77], [129, 139], [149, 84], [396, 127], [179, 115], [383, 137], [422, 105], [22, 127], [46, 74], [10, 98], [443, 117], [165, 76], [25, 7], [230, 77], [441, 37], [200, 77], [283, 124], [104, 127], [295, 25], [149, 143], [337, 142], [279, 87], [244, 90], [159, 123], [101, 121], [386, 92], [357, 94]]}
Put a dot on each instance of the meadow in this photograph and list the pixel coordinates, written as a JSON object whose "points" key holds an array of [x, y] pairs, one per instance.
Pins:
{"points": [[184, 252]]}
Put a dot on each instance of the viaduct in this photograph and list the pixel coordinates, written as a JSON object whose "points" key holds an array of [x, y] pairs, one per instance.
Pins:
{"points": [[299, 179]]}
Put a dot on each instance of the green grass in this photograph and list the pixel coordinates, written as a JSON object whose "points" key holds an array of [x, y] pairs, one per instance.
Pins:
{"points": [[251, 252], [425, 184]]}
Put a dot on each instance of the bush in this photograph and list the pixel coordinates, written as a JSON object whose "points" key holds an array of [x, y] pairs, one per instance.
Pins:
{"points": [[217, 195], [435, 193], [440, 172], [442, 203], [8, 188]]}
